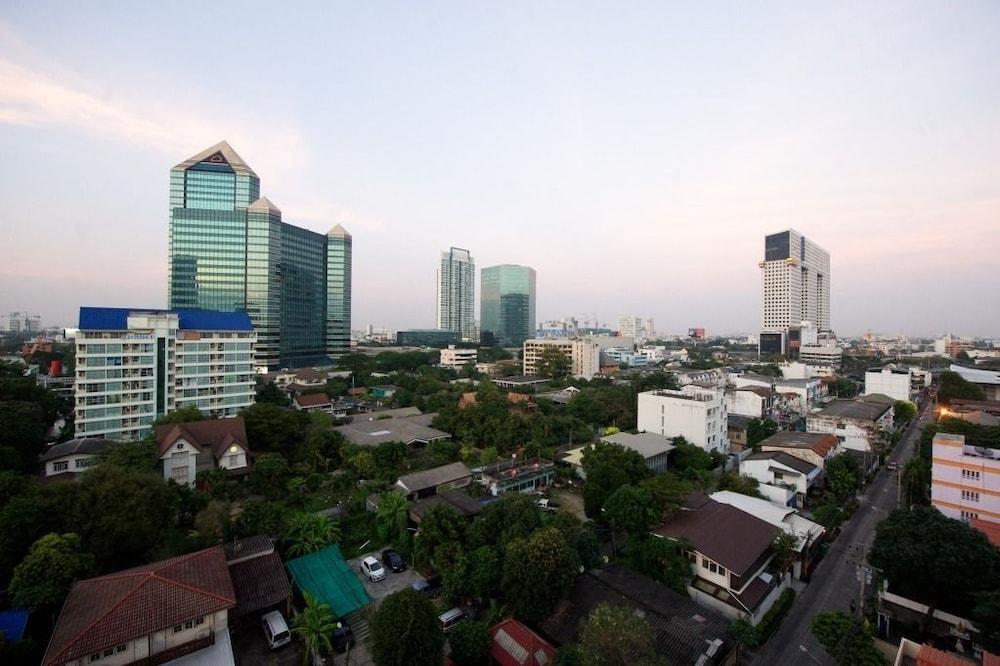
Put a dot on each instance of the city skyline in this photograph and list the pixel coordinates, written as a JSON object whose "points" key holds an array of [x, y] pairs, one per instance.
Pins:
{"points": [[633, 166]]}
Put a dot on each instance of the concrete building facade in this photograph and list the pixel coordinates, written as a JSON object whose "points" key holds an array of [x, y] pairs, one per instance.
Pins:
{"points": [[965, 479], [456, 293], [697, 414]]}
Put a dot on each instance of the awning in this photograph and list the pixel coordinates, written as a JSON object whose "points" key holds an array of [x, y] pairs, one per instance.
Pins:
{"points": [[326, 576]]}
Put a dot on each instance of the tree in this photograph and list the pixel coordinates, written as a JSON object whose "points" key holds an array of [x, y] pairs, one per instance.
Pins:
{"points": [[273, 429], [616, 636], [911, 546], [843, 476], [986, 615], [212, 522], [553, 364], [631, 510], [315, 625], [744, 485], [758, 430], [916, 480], [308, 532], [668, 490], [537, 573], [269, 474], [391, 517], [688, 458], [745, 634], [662, 559], [182, 415], [43, 577], [903, 411], [440, 525], [405, 631], [482, 572], [470, 644], [952, 386], [270, 392], [846, 639], [140, 456], [509, 518], [608, 467], [784, 550]]}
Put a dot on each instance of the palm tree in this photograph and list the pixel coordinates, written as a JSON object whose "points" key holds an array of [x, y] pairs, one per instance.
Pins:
{"points": [[315, 625], [391, 515], [307, 532], [744, 633]]}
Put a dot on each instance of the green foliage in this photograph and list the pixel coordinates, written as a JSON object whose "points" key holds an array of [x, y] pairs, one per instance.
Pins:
{"points": [[212, 523], [391, 517], [903, 411], [140, 456], [270, 393], [511, 517], [609, 467], [632, 510], [952, 386], [260, 518], [664, 560], [308, 532], [615, 636], [916, 480], [440, 525], [768, 370], [668, 491], [470, 644], [275, 430], [580, 537], [553, 363], [537, 573], [832, 514], [843, 387], [389, 459], [760, 429], [911, 547], [182, 415], [689, 460], [986, 615], [784, 550], [745, 634], [315, 625], [23, 425], [846, 639], [773, 617], [43, 577], [269, 475], [744, 485], [844, 476], [405, 631]]}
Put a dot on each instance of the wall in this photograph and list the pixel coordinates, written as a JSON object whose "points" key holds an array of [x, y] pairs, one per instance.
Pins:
{"points": [[956, 470], [74, 461], [702, 423]]}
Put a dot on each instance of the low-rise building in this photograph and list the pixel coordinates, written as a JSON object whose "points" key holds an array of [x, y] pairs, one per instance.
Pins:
{"points": [[313, 402], [377, 427], [510, 475], [433, 481], [521, 382], [736, 430], [857, 424], [654, 449], [808, 535], [74, 456], [583, 354], [829, 356], [730, 553], [513, 644], [258, 577], [783, 478], [813, 447], [457, 358], [809, 391], [697, 414], [184, 449], [965, 478], [427, 337], [897, 382], [981, 412], [148, 614], [987, 380]]}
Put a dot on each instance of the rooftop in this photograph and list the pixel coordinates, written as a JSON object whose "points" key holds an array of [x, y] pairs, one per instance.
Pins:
{"points": [[80, 445], [821, 443], [116, 319], [431, 478], [109, 610], [374, 430], [855, 409], [312, 400], [513, 644], [646, 443], [220, 153], [786, 459], [214, 435]]}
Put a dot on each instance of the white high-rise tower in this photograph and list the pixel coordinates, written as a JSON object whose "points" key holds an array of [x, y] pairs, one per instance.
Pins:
{"points": [[795, 287], [456, 293]]}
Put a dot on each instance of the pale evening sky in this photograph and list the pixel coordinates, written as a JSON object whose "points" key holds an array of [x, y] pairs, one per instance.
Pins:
{"points": [[634, 154]]}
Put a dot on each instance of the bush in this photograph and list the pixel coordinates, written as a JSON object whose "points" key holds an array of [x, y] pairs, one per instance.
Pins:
{"points": [[470, 643], [773, 617]]}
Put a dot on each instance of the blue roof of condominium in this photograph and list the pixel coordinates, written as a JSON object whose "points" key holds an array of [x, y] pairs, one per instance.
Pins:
{"points": [[116, 319]]}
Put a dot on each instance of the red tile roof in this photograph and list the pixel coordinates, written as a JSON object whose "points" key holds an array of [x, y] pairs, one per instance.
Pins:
{"points": [[990, 529], [106, 611], [214, 435], [312, 399], [931, 656], [513, 644]]}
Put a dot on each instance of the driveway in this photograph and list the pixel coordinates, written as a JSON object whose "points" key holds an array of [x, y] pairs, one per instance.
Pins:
{"points": [[393, 582], [250, 649], [569, 501]]}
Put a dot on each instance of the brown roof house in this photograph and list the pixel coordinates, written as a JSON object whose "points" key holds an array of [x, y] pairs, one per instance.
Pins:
{"points": [[813, 447], [148, 614], [188, 448], [730, 553], [258, 576], [313, 402]]}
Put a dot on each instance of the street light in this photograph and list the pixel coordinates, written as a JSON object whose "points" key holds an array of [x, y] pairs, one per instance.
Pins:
{"points": [[809, 654]]}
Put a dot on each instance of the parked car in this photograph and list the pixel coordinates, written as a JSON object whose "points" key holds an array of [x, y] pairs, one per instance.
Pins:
{"points": [[449, 619], [343, 637], [893, 466], [275, 629], [373, 569], [393, 561], [430, 587], [547, 505]]}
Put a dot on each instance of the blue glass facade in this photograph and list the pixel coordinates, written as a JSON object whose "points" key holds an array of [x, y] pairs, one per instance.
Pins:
{"points": [[230, 251], [507, 304]]}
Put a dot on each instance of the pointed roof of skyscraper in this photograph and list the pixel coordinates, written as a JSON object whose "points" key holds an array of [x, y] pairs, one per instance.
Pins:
{"points": [[220, 153], [338, 231], [264, 204]]}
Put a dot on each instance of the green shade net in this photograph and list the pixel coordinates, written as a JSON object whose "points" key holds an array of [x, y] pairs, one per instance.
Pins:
{"points": [[326, 576]]}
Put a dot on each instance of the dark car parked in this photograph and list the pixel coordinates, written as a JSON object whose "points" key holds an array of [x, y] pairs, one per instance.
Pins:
{"points": [[343, 637], [393, 561], [430, 587]]}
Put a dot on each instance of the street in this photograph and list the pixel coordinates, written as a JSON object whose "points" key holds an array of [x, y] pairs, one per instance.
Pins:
{"points": [[834, 584]]}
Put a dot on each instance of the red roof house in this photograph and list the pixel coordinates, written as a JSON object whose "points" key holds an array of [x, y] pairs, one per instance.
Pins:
{"points": [[513, 644]]}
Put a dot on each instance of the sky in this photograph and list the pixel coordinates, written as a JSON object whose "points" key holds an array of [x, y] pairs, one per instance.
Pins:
{"points": [[635, 154]]}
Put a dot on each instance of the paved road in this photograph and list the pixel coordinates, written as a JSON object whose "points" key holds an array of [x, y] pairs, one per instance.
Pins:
{"points": [[834, 584]]}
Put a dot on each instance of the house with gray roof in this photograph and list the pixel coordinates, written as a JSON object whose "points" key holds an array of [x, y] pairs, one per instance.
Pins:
{"points": [[857, 424], [433, 481], [373, 429], [73, 456]]}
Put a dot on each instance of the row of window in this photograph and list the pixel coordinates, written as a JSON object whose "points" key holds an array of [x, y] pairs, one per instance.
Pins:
{"points": [[970, 474], [970, 496], [63, 465], [712, 566], [97, 656]]}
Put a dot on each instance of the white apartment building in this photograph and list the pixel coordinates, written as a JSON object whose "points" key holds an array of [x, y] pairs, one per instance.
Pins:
{"points": [[827, 356], [584, 355], [630, 326], [133, 366], [987, 380], [456, 358], [897, 382], [795, 288], [965, 479], [456, 293], [697, 414]]}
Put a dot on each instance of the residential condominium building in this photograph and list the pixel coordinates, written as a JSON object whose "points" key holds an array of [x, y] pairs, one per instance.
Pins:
{"points": [[456, 358], [134, 365], [965, 478], [899, 383], [697, 414], [630, 326], [584, 355], [231, 252], [456, 293], [507, 304], [795, 287]]}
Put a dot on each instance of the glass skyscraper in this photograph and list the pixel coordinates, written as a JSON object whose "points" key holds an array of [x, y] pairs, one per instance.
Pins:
{"points": [[507, 304], [230, 251], [456, 293]]}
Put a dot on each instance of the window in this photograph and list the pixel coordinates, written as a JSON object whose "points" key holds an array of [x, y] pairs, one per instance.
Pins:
{"points": [[970, 495], [82, 463], [194, 623], [120, 648], [969, 515], [971, 475], [178, 629], [95, 657], [60, 466]]}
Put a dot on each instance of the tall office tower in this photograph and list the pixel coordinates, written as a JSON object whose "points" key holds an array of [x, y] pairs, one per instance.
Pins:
{"points": [[507, 304], [795, 286], [230, 251], [456, 295], [629, 326], [23, 322], [135, 365]]}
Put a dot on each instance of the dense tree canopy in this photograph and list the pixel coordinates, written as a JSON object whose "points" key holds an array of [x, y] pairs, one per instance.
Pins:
{"points": [[43, 577], [952, 386], [405, 631], [609, 467], [911, 547], [470, 644], [844, 476], [846, 639], [537, 573], [616, 636]]}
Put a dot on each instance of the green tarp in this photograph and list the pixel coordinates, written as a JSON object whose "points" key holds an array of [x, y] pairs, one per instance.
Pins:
{"points": [[326, 577]]}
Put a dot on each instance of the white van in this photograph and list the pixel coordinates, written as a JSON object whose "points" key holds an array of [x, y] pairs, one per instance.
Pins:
{"points": [[449, 619], [275, 629]]}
